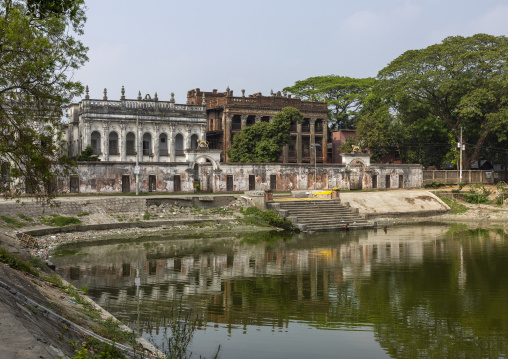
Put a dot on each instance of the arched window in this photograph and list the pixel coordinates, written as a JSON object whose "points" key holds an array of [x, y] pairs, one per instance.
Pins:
{"points": [[194, 141], [95, 142], [113, 143], [179, 145], [163, 144], [130, 144], [147, 144]]}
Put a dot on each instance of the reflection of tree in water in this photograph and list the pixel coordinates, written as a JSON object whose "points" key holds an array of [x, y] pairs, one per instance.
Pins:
{"points": [[425, 311]]}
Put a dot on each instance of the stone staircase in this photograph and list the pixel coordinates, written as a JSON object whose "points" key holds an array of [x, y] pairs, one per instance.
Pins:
{"points": [[319, 215]]}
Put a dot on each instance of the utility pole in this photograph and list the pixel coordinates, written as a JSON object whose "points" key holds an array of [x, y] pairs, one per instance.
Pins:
{"points": [[136, 169], [460, 148]]}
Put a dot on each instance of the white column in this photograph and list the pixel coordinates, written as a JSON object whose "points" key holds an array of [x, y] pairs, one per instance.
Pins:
{"points": [[188, 137], [105, 141], [171, 142], [156, 142], [122, 141]]}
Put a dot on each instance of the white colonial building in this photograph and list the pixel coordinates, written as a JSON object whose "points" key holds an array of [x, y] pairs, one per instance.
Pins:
{"points": [[144, 129]]}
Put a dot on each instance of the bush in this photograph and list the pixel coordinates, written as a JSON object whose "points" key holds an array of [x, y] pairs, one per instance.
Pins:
{"points": [[254, 216], [475, 198]]}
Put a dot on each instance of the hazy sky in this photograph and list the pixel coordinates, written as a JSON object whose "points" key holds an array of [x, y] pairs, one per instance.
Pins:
{"points": [[169, 46]]}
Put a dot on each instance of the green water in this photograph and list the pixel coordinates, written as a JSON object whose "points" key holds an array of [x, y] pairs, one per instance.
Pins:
{"points": [[420, 291]]}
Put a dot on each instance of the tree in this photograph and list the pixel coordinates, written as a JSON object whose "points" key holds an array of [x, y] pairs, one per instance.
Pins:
{"points": [[344, 95], [263, 141], [38, 55], [461, 82], [87, 155]]}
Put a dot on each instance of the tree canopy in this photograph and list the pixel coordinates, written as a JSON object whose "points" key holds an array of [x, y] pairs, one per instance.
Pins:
{"points": [[344, 95], [263, 141], [38, 54], [431, 93]]}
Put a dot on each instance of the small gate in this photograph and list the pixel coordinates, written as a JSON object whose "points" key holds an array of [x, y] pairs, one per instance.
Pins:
{"points": [[177, 185], [126, 184], [74, 185]]}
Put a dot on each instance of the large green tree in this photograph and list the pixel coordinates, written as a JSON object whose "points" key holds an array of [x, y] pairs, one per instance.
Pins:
{"points": [[344, 95], [460, 82], [39, 52], [263, 141]]}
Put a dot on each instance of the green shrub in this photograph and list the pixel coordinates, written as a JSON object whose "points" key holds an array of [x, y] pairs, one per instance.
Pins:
{"points": [[475, 198], [254, 216], [83, 214], [146, 216]]}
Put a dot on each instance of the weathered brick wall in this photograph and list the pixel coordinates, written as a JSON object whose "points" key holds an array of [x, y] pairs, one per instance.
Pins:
{"points": [[110, 177]]}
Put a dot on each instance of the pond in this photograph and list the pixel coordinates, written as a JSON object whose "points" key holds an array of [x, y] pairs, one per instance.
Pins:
{"points": [[412, 291]]}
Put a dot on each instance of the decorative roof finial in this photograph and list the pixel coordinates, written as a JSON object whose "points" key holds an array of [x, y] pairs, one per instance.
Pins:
{"points": [[172, 100], [105, 97], [155, 98], [204, 100], [123, 93], [86, 93], [271, 92], [243, 92], [139, 95], [227, 91]]}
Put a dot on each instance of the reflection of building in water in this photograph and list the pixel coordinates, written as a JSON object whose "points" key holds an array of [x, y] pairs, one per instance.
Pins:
{"points": [[303, 270]]}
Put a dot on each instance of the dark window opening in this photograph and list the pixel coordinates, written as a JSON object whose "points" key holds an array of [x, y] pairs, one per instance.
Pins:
{"points": [[387, 181], [374, 181]]}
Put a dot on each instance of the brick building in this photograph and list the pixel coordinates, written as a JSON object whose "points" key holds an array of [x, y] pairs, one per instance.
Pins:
{"points": [[228, 115]]}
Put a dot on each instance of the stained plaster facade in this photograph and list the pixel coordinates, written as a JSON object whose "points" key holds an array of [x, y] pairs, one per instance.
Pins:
{"points": [[228, 115], [102, 177], [143, 129]]}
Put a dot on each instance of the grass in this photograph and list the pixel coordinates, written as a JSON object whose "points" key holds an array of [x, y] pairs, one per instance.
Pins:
{"points": [[25, 217], [83, 214], [59, 221], [12, 222], [456, 207], [17, 263]]}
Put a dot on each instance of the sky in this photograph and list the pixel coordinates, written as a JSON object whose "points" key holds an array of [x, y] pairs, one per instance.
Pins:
{"points": [[169, 46]]}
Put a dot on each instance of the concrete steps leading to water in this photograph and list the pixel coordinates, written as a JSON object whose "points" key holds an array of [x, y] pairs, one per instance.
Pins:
{"points": [[319, 215]]}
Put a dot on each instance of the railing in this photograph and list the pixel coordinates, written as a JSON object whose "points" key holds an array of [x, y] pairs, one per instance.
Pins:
{"points": [[131, 152], [163, 152], [179, 152], [236, 126], [142, 104], [267, 101], [468, 176], [305, 128], [114, 151], [293, 128], [146, 152]]}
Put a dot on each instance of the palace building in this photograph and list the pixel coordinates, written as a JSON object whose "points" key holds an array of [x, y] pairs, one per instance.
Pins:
{"points": [[227, 115], [142, 129]]}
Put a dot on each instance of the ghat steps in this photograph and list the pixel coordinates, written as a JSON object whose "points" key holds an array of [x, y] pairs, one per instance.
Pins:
{"points": [[319, 215]]}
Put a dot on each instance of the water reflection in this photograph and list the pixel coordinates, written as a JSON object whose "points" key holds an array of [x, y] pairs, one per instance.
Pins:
{"points": [[423, 291]]}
